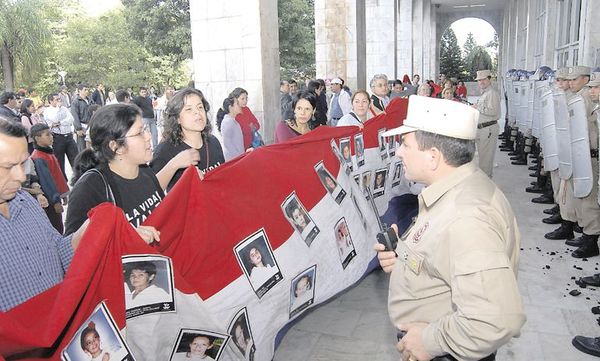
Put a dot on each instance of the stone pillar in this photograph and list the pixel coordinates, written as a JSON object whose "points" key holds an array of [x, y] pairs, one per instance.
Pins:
{"points": [[336, 40], [381, 40], [236, 44], [404, 51], [590, 44]]}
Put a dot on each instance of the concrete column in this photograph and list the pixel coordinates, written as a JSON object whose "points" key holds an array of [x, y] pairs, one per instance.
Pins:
{"points": [[404, 51], [236, 44], [336, 40], [589, 48], [549, 34], [380, 36]]}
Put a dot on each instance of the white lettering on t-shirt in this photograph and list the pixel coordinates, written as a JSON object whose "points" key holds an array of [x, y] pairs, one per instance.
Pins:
{"points": [[141, 212]]}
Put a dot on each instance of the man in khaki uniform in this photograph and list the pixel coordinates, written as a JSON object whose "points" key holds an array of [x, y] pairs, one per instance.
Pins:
{"points": [[587, 208], [453, 289], [487, 129], [563, 188]]}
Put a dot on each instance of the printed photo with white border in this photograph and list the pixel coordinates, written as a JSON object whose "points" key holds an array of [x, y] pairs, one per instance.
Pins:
{"points": [[398, 174], [359, 149], [195, 344], [329, 183], [148, 285], [346, 152], [392, 144], [366, 183], [256, 259], [379, 182], [302, 290], [98, 338], [241, 335], [344, 243], [295, 212], [382, 144], [338, 155]]}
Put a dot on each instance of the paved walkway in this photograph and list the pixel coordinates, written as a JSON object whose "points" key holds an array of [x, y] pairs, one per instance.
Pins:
{"points": [[355, 325]]}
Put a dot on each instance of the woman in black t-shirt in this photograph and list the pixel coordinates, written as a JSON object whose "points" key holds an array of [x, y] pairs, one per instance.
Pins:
{"points": [[114, 170], [186, 127]]}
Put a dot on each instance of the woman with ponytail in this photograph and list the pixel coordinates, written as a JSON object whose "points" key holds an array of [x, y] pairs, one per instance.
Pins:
{"points": [[233, 138], [114, 170]]}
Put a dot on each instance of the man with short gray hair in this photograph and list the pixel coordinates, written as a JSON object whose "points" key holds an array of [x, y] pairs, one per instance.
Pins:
{"points": [[453, 289]]}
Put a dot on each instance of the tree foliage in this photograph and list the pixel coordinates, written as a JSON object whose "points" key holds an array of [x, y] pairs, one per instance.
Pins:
{"points": [[451, 62], [162, 26], [478, 59], [296, 38], [24, 39], [469, 45]]}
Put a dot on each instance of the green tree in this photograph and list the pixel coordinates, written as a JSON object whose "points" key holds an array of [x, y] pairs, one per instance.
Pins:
{"points": [[492, 47], [469, 45], [24, 39], [478, 59], [162, 26], [451, 62], [296, 38], [97, 50]]}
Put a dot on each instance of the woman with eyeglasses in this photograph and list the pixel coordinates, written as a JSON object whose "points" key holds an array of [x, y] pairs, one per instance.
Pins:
{"points": [[115, 170]]}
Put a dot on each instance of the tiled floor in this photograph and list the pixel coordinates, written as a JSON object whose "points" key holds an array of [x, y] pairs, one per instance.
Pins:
{"points": [[355, 325]]}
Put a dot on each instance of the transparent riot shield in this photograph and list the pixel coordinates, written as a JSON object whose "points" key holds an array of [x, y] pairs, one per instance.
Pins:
{"points": [[548, 138], [541, 86], [583, 179], [522, 121], [563, 134]]}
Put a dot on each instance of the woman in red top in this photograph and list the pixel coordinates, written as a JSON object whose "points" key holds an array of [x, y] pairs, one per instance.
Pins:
{"points": [[246, 118], [461, 90]]}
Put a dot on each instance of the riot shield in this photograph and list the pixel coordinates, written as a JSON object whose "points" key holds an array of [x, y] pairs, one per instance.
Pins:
{"points": [[563, 134], [583, 179], [515, 101], [548, 137], [508, 86], [529, 115], [523, 104], [536, 122]]}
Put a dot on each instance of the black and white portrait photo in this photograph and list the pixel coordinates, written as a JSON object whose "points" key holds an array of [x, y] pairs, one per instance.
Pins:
{"points": [[346, 153], [359, 149], [344, 243], [241, 335], [329, 183], [148, 285], [302, 291], [299, 218], [379, 182], [198, 345]]}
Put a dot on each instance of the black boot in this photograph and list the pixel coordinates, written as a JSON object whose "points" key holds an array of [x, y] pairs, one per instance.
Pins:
{"points": [[533, 167], [589, 247], [534, 189], [520, 161], [553, 210], [589, 345], [577, 228], [565, 231], [553, 219], [543, 199], [576, 242]]}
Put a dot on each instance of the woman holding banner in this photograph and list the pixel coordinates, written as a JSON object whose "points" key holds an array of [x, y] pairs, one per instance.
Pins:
{"points": [[304, 105], [361, 102]]}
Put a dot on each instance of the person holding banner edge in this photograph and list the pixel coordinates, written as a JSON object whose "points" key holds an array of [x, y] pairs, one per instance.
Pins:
{"points": [[453, 290]]}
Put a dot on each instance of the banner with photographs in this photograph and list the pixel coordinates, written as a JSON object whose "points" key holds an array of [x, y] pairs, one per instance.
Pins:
{"points": [[258, 242]]}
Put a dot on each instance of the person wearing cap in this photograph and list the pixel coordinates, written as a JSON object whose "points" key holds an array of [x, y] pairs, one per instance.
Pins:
{"points": [[488, 105], [587, 209], [563, 189], [340, 103], [453, 292]]}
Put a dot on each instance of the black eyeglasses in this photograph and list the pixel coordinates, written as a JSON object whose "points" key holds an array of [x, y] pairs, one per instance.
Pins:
{"points": [[144, 130]]}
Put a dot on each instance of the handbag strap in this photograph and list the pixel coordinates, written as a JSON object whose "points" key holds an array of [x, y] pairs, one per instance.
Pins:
{"points": [[108, 190]]}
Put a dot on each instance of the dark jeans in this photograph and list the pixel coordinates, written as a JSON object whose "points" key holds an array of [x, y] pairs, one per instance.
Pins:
{"points": [[64, 145], [491, 357]]}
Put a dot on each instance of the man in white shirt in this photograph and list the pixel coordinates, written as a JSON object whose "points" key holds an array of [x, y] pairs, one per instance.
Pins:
{"points": [[60, 121], [340, 103]]}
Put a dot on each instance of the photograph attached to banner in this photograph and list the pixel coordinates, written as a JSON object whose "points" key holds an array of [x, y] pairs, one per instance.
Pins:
{"points": [[344, 243], [398, 174], [198, 345], [148, 285], [256, 259], [382, 144], [302, 291], [357, 179], [359, 149], [366, 183], [346, 153], [98, 338], [299, 218], [363, 220], [392, 146], [379, 182], [241, 335], [338, 155], [331, 186]]}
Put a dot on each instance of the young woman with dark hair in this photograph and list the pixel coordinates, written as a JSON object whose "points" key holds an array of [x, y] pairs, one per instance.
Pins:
{"points": [[304, 105], [114, 170], [186, 128], [246, 118], [233, 137], [29, 118]]}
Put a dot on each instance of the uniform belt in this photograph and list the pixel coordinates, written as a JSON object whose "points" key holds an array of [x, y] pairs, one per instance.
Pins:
{"points": [[594, 153], [62, 135], [491, 357], [486, 124]]}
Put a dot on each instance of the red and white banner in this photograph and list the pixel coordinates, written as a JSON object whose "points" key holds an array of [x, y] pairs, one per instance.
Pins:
{"points": [[262, 239]]}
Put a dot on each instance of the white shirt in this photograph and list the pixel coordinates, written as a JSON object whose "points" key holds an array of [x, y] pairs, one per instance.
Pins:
{"points": [[260, 275], [149, 296], [60, 115]]}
